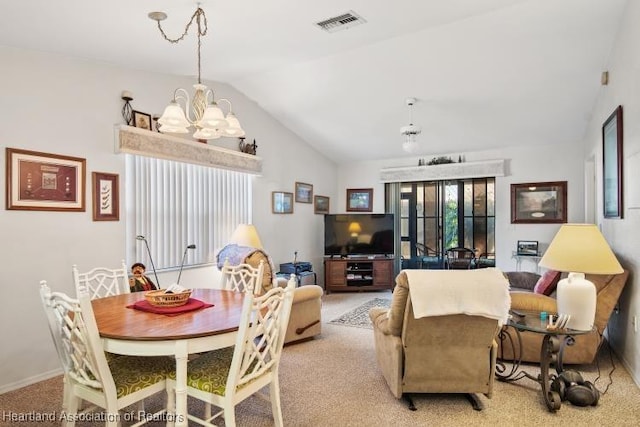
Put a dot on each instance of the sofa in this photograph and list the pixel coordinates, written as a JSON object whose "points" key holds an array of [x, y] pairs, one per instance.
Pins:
{"points": [[305, 319], [453, 353], [585, 348]]}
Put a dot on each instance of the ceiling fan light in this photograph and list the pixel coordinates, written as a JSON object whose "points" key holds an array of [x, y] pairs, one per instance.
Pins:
{"points": [[410, 129], [410, 145]]}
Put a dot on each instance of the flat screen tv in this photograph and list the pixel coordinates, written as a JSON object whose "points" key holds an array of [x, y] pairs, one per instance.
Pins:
{"points": [[358, 234]]}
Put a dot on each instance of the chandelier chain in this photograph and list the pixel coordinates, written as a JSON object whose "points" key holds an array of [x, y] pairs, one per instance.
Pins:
{"points": [[201, 20]]}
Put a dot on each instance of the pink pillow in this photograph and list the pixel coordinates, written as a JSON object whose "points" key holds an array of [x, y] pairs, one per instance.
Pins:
{"points": [[547, 283]]}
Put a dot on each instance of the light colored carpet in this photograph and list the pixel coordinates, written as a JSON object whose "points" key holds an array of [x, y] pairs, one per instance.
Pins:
{"points": [[333, 380], [359, 316]]}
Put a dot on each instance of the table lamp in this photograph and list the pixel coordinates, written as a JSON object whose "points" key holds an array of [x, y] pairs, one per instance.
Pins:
{"points": [[579, 249], [246, 235], [354, 229]]}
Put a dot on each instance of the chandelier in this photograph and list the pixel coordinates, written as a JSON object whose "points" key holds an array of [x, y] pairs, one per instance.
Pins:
{"points": [[202, 111], [410, 131]]}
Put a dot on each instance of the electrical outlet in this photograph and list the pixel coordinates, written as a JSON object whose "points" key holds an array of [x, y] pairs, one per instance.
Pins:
{"points": [[635, 323]]}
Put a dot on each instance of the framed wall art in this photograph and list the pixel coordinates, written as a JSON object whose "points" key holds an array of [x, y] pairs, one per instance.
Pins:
{"points": [[539, 203], [359, 199], [44, 182], [281, 202], [105, 196], [142, 120], [304, 192], [320, 204], [612, 164]]}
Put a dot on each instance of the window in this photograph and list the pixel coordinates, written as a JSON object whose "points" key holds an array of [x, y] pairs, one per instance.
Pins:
{"points": [[174, 204]]}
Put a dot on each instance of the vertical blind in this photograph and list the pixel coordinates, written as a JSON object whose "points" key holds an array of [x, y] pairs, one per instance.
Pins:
{"points": [[174, 204]]}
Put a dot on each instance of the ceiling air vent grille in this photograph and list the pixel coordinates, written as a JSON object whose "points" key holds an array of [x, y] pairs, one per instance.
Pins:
{"points": [[342, 22]]}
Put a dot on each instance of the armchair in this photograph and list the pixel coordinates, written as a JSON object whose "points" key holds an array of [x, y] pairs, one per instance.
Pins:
{"points": [[454, 353], [305, 320], [585, 348]]}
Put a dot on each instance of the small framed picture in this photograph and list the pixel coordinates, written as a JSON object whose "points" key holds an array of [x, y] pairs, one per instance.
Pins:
{"points": [[142, 120], [281, 202], [105, 196], [527, 248], [304, 192], [44, 182], [320, 204], [359, 199]]}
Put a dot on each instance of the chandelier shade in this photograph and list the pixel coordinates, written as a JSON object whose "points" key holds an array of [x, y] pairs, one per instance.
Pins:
{"points": [[200, 112]]}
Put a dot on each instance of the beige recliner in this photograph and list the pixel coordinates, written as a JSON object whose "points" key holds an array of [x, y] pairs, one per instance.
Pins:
{"points": [[441, 354], [305, 318]]}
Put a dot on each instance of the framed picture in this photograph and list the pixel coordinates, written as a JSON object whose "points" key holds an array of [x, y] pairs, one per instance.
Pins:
{"points": [[359, 199], [304, 192], [527, 248], [281, 202], [142, 120], [320, 204], [612, 164], [44, 182], [539, 203], [105, 196]]}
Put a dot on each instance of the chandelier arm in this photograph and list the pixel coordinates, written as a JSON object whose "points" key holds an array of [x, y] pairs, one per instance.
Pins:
{"points": [[181, 94], [228, 102]]}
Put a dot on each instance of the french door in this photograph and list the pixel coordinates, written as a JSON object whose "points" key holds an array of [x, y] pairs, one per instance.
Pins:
{"points": [[440, 215]]}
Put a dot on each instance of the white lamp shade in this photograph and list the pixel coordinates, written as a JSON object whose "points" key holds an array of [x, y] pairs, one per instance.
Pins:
{"points": [[172, 129], [233, 129], [580, 248], [213, 118], [203, 133], [173, 117], [246, 235]]}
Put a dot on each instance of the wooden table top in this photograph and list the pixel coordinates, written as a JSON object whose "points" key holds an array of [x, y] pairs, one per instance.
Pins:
{"points": [[117, 321]]}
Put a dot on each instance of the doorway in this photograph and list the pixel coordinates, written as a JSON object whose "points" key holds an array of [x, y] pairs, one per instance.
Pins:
{"points": [[439, 215]]}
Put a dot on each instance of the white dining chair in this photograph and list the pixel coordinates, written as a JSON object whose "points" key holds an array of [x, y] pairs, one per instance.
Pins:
{"points": [[241, 277], [102, 282], [226, 377], [110, 385]]}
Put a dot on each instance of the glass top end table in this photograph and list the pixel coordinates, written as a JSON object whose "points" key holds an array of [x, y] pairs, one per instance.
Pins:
{"points": [[553, 344]]}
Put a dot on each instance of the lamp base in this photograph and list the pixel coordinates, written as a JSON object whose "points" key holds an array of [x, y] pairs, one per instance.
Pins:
{"points": [[576, 296]]}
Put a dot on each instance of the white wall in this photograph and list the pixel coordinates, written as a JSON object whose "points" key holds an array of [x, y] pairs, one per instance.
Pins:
{"points": [[535, 164], [623, 234], [60, 105]]}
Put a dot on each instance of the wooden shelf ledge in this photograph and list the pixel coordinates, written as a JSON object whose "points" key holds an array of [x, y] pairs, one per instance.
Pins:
{"points": [[143, 142]]}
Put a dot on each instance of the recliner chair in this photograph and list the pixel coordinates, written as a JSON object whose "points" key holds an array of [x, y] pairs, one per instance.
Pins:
{"points": [[438, 354]]}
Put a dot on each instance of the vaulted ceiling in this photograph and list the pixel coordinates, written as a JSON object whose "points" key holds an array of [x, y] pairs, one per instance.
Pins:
{"points": [[486, 73]]}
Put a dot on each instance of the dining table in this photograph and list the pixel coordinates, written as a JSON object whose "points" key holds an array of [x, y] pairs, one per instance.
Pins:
{"points": [[130, 331]]}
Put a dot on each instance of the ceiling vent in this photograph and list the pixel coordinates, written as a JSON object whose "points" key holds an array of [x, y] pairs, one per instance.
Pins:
{"points": [[342, 22]]}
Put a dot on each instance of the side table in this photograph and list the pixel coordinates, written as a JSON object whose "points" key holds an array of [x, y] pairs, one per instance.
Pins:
{"points": [[551, 350]]}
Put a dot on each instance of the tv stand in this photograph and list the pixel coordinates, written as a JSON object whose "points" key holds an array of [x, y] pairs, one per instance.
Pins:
{"points": [[358, 274]]}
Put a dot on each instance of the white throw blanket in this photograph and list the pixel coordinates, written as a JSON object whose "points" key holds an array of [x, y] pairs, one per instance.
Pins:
{"points": [[482, 292]]}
